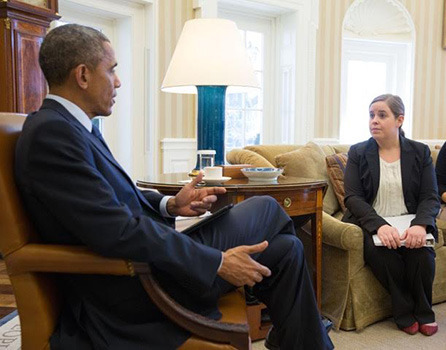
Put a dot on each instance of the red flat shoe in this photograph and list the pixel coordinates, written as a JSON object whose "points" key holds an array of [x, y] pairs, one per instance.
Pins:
{"points": [[428, 329], [413, 329]]}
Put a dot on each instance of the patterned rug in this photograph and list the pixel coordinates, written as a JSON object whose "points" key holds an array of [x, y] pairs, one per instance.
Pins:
{"points": [[10, 332]]}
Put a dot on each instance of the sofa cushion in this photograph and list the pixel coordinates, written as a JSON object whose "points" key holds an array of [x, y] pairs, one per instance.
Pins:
{"points": [[309, 162], [434, 154], [341, 148], [244, 156], [269, 152], [336, 164]]}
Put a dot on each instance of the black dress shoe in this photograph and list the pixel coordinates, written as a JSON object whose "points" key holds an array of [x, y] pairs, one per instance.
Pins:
{"points": [[272, 339], [250, 297]]}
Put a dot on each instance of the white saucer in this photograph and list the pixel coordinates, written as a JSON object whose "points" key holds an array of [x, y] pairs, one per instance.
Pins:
{"points": [[184, 181], [216, 180]]}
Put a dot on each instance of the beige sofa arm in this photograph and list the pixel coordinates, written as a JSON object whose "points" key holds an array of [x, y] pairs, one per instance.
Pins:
{"points": [[340, 234]]}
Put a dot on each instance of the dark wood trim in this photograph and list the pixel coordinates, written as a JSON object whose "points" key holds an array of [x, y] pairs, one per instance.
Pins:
{"points": [[50, 12]]}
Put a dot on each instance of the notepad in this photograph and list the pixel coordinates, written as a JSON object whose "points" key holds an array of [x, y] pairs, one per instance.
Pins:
{"points": [[207, 219], [430, 241]]}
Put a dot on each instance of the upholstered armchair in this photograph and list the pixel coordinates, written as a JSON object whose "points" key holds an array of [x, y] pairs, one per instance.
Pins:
{"points": [[33, 267]]}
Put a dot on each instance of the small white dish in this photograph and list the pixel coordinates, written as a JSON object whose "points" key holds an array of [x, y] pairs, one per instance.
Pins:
{"points": [[262, 174], [216, 180], [184, 181]]}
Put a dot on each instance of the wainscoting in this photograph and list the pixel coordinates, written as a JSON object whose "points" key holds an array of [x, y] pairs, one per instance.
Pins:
{"points": [[178, 155]]}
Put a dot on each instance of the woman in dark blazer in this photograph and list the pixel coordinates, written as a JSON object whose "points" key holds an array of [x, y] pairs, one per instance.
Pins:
{"points": [[440, 169], [390, 175]]}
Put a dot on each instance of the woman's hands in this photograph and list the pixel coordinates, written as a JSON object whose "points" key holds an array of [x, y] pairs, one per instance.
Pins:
{"points": [[389, 236], [414, 236]]}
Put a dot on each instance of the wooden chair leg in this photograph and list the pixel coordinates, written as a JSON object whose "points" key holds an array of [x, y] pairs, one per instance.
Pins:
{"points": [[257, 329]]}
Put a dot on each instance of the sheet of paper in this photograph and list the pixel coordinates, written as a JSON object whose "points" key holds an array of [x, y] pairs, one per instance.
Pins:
{"points": [[401, 222]]}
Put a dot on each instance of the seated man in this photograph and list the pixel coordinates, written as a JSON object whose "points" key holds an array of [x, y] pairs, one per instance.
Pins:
{"points": [[76, 193]]}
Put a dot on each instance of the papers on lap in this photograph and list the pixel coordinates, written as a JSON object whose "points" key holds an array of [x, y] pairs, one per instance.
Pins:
{"points": [[402, 222]]}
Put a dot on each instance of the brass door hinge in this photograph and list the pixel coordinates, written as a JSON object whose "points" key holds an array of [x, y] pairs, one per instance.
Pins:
{"points": [[7, 23]]}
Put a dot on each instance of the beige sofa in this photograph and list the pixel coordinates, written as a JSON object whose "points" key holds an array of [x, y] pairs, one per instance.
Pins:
{"points": [[351, 296]]}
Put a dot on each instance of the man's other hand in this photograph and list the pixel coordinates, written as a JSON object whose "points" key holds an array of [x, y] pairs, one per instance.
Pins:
{"points": [[239, 269], [191, 201]]}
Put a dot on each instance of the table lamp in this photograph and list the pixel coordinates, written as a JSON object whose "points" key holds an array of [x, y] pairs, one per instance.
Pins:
{"points": [[209, 57]]}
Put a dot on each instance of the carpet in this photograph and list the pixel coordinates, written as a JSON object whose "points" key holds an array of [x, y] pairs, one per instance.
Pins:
{"points": [[10, 332], [385, 335]]}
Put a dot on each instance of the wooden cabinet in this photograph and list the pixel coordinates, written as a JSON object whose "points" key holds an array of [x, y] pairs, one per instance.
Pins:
{"points": [[23, 25]]}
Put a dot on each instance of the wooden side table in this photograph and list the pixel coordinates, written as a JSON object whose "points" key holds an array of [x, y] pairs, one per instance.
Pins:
{"points": [[297, 196]]}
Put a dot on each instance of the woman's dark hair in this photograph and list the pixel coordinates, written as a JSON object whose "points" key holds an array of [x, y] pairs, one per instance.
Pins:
{"points": [[66, 47], [395, 104]]}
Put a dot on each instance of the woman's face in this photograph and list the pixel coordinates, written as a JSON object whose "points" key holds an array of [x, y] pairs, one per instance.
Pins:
{"points": [[383, 124]]}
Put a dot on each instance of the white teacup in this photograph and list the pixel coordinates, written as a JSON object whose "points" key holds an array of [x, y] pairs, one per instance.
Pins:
{"points": [[213, 172]]}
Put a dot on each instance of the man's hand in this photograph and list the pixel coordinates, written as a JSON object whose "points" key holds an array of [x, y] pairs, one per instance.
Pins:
{"points": [[238, 268], [191, 201], [415, 236], [389, 236]]}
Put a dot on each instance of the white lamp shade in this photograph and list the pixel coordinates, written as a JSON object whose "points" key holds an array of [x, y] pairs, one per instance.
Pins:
{"points": [[209, 52]]}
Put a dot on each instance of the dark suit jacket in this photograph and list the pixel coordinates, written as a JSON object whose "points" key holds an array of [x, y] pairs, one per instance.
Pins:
{"points": [[362, 181], [440, 169], [76, 193]]}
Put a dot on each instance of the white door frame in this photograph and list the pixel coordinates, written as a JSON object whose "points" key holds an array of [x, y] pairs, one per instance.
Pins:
{"points": [[131, 130]]}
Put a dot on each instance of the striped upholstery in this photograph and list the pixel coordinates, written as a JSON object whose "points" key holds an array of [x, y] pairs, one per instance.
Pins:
{"points": [[336, 164]]}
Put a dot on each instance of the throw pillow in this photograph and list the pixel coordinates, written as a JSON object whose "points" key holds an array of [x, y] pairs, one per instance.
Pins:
{"points": [[243, 156], [269, 152], [309, 162], [336, 164]]}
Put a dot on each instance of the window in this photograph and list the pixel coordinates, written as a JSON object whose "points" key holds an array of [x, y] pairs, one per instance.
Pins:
{"points": [[377, 58], [279, 36], [371, 68], [244, 110]]}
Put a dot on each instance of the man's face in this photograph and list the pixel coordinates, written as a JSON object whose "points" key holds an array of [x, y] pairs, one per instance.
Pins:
{"points": [[103, 84]]}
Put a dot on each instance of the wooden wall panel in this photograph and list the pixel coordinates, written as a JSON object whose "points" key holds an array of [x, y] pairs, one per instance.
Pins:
{"points": [[31, 87]]}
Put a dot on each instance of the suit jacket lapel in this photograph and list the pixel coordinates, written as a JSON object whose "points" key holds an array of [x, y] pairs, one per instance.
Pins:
{"points": [[407, 162], [103, 148], [51, 104], [372, 157]]}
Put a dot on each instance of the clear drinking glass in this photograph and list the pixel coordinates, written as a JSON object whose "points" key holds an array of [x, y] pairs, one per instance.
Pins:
{"points": [[206, 158]]}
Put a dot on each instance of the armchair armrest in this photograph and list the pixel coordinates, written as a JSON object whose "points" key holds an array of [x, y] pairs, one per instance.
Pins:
{"points": [[340, 234], [64, 259], [79, 260]]}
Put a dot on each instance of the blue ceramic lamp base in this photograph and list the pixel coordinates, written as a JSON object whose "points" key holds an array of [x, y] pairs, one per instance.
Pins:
{"points": [[211, 120]]}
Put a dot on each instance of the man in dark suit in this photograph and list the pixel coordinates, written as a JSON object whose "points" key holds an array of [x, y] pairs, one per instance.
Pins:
{"points": [[76, 193]]}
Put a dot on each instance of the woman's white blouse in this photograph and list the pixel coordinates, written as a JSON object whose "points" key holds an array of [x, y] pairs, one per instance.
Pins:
{"points": [[389, 199]]}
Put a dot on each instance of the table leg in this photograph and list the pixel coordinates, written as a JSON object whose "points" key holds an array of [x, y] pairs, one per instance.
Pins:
{"points": [[316, 238]]}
